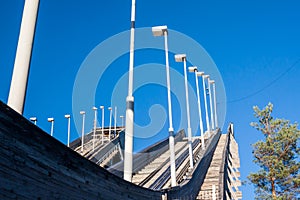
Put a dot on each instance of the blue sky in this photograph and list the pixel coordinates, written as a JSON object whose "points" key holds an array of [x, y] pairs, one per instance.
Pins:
{"points": [[254, 44]]}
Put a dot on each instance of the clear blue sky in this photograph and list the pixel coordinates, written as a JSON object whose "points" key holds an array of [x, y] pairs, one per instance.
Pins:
{"points": [[254, 44]]}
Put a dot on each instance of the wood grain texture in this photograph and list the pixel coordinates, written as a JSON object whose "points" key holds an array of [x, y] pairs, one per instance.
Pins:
{"points": [[34, 165]]}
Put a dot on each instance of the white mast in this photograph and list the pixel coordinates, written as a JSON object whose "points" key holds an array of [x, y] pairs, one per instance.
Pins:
{"points": [[18, 85]]}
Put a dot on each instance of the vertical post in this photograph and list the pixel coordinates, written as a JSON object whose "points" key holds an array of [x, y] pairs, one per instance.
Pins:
{"points": [[199, 108], [52, 127], [115, 121], [171, 129], [211, 105], [215, 104], [205, 103], [82, 130], [19, 79], [189, 130], [51, 119], [69, 121], [95, 124], [129, 105], [102, 126], [122, 121], [163, 31], [109, 128]]}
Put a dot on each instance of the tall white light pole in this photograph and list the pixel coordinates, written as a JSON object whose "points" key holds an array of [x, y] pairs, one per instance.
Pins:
{"points": [[69, 121], [195, 71], [18, 84], [211, 105], [110, 116], [95, 124], [51, 119], [33, 119], [122, 120], [82, 130], [163, 31], [215, 102], [115, 121], [102, 125], [129, 105], [205, 103], [182, 58]]}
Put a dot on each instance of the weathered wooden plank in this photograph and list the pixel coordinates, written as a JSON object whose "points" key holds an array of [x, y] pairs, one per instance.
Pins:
{"points": [[34, 165]]}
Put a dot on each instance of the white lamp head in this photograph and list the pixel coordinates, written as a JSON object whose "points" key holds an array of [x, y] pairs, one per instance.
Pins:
{"points": [[94, 108], [206, 76], [193, 69], [51, 119], [211, 81], [67, 116], [82, 112], [33, 119], [109, 108], [200, 73], [121, 116], [101, 107], [180, 57], [159, 30]]}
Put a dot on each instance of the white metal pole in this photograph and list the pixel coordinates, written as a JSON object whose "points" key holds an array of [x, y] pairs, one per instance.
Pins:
{"points": [[69, 121], [69, 131], [109, 129], [19, 79], [82, 130], [122, 120], [205, 103], [215, 104], [200, 112], [95, 124], [115, 121], [129, 105], [51, 119], [171, 130], [102, 126], [52, 127], [211, 105], [189, 130]]}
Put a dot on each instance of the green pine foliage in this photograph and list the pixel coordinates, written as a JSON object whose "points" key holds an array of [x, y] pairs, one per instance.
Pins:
{"points": [[277, 156]]}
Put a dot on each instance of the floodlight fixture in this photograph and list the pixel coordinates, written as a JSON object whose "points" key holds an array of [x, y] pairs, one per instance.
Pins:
{"points": [[51, 119], [194, 70], [180, 57], [200, 73], [159, 30], [33, 119], [163, 31]]}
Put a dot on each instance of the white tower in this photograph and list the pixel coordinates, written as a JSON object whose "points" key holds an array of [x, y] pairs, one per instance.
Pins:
{"points": [[21, 68]]}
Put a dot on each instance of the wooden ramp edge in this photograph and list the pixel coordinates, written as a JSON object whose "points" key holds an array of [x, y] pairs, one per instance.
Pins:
{"points": [[34, 165]]}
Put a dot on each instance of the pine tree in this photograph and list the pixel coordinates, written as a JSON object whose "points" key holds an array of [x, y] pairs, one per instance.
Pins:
{"points": [[277, 156]]}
